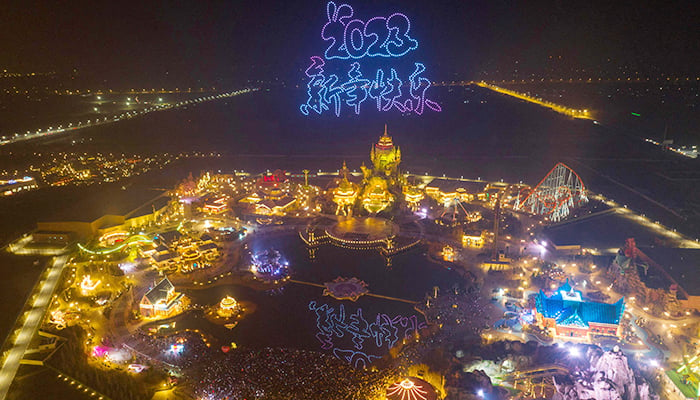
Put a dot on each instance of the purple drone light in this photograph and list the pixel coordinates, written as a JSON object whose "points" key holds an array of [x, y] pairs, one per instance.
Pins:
{"points": [[350, 38]]}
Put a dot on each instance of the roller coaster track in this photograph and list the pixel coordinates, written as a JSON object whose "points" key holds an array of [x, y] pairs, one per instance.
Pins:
{"points": [[559, 191]]}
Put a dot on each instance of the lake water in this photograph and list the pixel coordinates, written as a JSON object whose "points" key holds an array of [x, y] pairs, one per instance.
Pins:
{"points": [[284, 318]]}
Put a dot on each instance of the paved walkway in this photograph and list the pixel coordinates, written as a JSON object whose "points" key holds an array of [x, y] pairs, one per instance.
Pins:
{"points": [[39, 300], [366, 294]]}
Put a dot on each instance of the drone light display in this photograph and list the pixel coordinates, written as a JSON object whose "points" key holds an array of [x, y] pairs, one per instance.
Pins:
{"points": [[354, 39], [376, 334]]}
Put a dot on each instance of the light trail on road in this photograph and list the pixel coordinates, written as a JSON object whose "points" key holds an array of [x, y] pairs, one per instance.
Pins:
{"points": [[107, 120], [572, 112]]}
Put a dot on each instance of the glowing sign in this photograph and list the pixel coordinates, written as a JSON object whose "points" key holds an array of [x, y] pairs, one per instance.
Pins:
{"points": [[384, 331], [324, 93], [354, 39]]}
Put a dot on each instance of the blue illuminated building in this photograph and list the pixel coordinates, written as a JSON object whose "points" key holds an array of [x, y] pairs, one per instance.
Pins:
{"points": [[567, 315]]}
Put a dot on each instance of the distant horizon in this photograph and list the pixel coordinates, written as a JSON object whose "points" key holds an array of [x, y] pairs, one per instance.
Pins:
{"points": [[129, 43]]}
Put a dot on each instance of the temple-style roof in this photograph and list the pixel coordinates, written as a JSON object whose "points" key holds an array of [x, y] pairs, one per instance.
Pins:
{"points": [[279, 203], [169, 237], [567, 307], [345, 186], [451, 185], [207, 246], [574, 320], [159, 291], [385, 141], [160, 257]]}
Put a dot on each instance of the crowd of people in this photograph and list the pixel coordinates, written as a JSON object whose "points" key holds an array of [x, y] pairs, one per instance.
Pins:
{"points": [[181, 350], [456, 309], [278, 373], [454, 315], [275, 373]]}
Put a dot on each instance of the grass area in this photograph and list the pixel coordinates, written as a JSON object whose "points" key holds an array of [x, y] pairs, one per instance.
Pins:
{"points": [[688, 390]]}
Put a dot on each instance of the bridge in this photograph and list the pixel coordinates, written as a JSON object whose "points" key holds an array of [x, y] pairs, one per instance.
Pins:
{"points": [[538, 372], [572, 112], [379, 296]]}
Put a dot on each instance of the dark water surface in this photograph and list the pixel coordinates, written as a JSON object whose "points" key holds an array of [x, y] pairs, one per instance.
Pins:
{"points": [[283, 318]]}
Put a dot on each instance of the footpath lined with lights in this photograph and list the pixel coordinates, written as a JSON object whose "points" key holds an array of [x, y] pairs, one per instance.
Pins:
{"points": [[131, 241]]}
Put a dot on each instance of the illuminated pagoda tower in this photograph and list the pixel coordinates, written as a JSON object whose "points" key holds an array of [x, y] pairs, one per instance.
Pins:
{"points": [[384, 175], [345, 194], [385, 156]]}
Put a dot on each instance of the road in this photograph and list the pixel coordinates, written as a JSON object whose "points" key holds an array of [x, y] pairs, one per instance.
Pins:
{"points": [[41, 299], [108, 120]]}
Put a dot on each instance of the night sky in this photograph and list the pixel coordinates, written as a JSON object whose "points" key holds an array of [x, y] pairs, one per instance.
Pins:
{"points": [[137, 42]]}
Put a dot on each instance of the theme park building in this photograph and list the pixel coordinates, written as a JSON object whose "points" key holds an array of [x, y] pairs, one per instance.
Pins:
{"points": [[385, 156], [384, 175], [345, 194], [567, 315], [162, 301], [378, 182]]}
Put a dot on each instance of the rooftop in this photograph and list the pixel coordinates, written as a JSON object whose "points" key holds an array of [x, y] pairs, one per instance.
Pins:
{"points": [[167, 238], [568, 307], [148, 207], [451, 185], [97, 200], [159, 291]]}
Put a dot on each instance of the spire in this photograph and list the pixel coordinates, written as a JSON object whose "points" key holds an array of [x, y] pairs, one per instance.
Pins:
{"points": [[344, 171], [385, 141]]}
